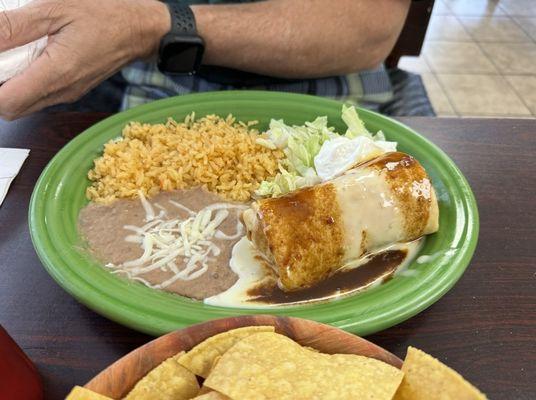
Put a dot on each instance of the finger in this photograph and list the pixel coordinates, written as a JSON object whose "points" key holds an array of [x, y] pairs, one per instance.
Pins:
{"points": [[61, 96], [39, 80], [26, 24], [36, 88], [38, 105], [52, 99], [67, 95]]}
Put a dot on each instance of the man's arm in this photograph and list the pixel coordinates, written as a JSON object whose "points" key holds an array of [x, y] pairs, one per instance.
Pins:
{"points": [[301, 38], [89, 40]]}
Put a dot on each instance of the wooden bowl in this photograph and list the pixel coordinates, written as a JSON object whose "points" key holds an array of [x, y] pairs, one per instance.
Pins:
{"points": [[119, 378]]}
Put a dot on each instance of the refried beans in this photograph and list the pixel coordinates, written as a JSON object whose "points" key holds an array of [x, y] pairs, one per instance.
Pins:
{"points": [[102, 226]]}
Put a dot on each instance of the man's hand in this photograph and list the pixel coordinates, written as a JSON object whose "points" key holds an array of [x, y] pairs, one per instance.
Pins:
{"points": [[88, 41]]}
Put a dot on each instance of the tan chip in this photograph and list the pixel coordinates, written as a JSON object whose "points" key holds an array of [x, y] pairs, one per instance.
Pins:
{"points": [[426, 378], [204, 390], [80, 393], [201, 358], [211, 396], [272, 366], [169, 380]]}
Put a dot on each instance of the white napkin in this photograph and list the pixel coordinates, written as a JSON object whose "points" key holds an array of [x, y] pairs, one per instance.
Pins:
{"points": [[11, 161], [14, 61]]}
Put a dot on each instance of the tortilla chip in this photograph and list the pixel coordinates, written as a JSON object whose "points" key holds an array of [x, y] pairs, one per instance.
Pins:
{"points": [[211, 396], [204, 390], [206, 393], [169, 380], [201, 358], [80, 393], [426, 378], [272, 366]]}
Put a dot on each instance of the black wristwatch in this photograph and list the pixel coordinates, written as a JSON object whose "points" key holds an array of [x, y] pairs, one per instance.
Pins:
{"points": [[181, 50]]}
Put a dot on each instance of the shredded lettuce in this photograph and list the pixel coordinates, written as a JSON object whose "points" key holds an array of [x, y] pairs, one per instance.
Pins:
{"points": [[356, 127], [285, 182], [301, 144]]}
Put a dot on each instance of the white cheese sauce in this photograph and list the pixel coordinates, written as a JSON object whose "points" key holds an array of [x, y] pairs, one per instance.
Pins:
{"points": [[378, 221], [250, 270]]}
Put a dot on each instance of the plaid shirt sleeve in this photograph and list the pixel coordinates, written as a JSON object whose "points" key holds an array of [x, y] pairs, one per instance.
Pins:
{"points": [[146, 83]]}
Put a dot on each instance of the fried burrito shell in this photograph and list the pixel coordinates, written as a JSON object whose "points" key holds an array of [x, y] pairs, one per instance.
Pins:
{"points": [[309, 234]]}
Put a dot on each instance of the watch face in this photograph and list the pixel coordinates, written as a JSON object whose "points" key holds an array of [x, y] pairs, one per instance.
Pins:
{"points": [[181, 55]]}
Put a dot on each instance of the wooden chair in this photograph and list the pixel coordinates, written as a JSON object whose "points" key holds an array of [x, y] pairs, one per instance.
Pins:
{"points": [[411, 38]]}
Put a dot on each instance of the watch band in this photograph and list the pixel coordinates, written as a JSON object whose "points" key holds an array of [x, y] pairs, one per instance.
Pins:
{"points": [[181, 49], [182, 19]]}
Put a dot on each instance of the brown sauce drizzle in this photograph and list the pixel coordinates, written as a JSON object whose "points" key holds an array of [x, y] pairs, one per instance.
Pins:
{"points": [[380, 265]]}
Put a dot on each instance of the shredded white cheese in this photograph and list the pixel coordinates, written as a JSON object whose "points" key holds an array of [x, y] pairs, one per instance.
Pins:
{"points": [[165, 240]]}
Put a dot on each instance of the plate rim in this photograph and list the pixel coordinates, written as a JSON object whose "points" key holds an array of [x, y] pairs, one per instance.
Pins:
{"points": [[120, 312]]}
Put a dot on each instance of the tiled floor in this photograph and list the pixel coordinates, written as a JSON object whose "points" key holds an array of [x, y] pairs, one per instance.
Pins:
{"points": [[479, 58]]}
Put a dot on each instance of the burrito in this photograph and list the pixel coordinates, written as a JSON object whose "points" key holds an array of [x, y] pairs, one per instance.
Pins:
{"points": [[309, 234]]}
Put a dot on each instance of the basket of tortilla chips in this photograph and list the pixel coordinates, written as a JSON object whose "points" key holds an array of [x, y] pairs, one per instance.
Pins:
{"points": [[266, 357]]}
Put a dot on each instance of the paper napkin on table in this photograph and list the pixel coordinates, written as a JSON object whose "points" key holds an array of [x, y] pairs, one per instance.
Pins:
{"points": [[10, 162], [14, 61]]}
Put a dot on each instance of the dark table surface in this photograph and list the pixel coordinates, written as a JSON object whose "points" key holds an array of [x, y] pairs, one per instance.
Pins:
{"points": [[485, 327]]}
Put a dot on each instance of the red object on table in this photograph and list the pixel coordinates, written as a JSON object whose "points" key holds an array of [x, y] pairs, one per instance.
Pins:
{"points": [[19, 379]]}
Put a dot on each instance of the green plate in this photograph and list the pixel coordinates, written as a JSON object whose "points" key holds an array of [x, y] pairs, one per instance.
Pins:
{"points": [[60, 194]]}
